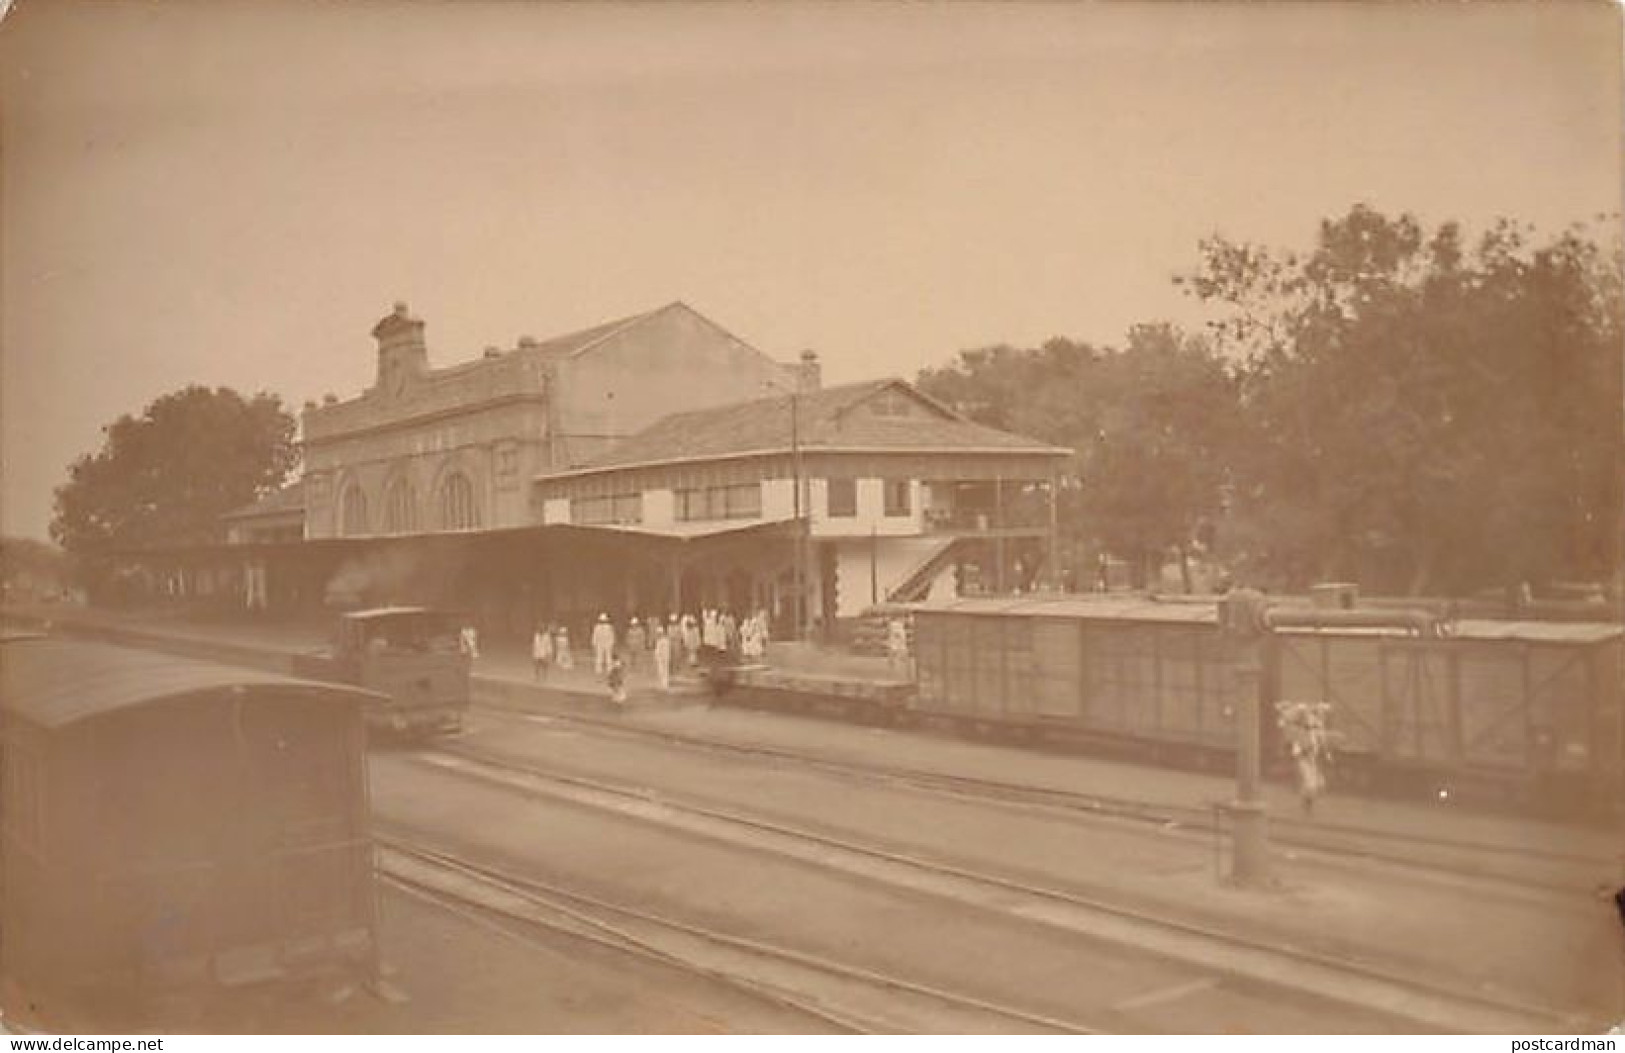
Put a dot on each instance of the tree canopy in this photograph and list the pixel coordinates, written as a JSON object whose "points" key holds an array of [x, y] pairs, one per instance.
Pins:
{"points": [[167, 476], [1396, 407], [1421, 414], [1148, 424]]}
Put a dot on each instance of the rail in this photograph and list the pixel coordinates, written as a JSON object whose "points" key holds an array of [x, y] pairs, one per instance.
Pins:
{"points": [[1416, 1000]]}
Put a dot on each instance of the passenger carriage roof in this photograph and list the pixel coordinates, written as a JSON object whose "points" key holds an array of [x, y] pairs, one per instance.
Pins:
{"points": [[55, 682]]}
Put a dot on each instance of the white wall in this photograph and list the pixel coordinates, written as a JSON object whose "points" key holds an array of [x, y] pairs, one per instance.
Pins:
{"points": [[871, 508], [778, 499], [556, 510], [659, 508], [894, 558]]}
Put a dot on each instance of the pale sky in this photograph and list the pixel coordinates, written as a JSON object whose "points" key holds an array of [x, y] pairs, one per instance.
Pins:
{"points": [[233, 194]]}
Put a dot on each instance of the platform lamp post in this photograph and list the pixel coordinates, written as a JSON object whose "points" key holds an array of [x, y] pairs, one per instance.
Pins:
{"points": [[1242, 623]]}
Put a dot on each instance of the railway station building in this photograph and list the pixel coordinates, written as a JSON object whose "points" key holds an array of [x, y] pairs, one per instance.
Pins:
{"points": [[650, 464]]}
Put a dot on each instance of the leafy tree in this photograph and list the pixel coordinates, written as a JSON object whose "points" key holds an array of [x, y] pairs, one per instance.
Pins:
{"points": [[1148, 425], [29, 566], [1420, 414], [165, 477], [1155, 475]]}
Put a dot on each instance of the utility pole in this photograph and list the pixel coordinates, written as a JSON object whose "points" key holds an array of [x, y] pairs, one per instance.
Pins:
{"points": [[802, 509], [795, 563], [802, 514]]}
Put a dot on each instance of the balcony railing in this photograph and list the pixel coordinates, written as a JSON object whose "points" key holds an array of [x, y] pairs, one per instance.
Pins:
{"points": [[984, 521]]}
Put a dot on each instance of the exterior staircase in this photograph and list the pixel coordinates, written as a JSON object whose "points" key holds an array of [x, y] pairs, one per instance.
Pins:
{"points": [[917, 584], [867, 632]]}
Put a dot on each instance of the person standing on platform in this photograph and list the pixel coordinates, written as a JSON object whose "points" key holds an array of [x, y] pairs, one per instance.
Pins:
{"points": [[616, 677], [755, 636], [637, 641], [468, 641], [897, 644], [603, 645], [662, 655], [541, 651], [674, 633], [561, 649], [691, 640]]}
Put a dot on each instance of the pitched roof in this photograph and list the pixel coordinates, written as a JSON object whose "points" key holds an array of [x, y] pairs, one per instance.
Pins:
{"points": [[584, 340], [825, 422], [289, 499]]}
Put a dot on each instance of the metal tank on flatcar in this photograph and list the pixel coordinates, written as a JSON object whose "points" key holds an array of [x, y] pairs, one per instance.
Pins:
{"points": [[171, 829]]}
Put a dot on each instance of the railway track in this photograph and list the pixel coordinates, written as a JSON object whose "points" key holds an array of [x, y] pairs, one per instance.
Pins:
{"points": [[1481, 863], [1419, 1002], [840, 995]]}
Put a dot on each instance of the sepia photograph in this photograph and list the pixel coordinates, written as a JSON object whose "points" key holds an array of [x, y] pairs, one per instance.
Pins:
{"points": [[812, 518]]}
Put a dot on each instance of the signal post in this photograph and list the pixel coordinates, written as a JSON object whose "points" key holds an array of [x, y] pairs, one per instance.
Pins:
{"points": [[1242, 624]]}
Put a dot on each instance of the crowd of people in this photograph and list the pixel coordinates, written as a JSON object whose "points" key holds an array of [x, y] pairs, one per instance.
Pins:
{"points": [[664, 647]]}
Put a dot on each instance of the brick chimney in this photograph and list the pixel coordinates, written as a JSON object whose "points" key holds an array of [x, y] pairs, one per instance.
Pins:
{"points": [[402, 354], [809, 374]]}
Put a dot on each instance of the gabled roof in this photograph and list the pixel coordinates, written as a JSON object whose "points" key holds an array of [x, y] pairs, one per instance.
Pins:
{"points": [[584, 340], [286, 501], [826, 420]]}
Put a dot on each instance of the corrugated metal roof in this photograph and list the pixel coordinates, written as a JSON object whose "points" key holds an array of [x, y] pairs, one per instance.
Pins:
{"points": [[826, 422], [55, 682], [1140, 609], [1104, 608]]}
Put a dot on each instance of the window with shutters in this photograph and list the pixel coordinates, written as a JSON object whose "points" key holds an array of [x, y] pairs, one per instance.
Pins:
{"points": [[719, 502], [616, 510], [843, 498], [898, 497]]}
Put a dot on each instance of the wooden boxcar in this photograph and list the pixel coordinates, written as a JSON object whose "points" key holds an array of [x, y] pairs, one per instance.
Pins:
{"points": [[1533, 708], [171, 828]]}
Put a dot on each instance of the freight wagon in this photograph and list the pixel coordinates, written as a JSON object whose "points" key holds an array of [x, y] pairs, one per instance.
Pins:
{"points": [[173, 830], [1529, 709]]}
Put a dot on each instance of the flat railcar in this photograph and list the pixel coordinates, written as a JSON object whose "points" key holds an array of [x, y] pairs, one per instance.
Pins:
{"points": [[171, 830], [1530, 710]]}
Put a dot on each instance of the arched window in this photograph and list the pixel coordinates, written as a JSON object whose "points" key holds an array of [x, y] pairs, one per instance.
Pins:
{"points": [[457, 509], [353, 511], [400, 508]]}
